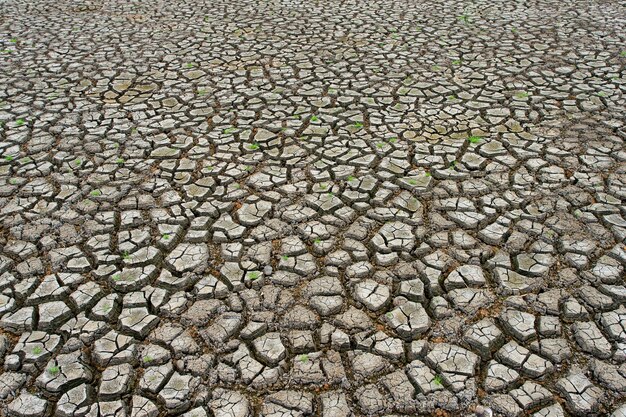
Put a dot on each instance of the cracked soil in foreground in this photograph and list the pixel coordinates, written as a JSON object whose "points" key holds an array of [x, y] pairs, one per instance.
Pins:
{"points": [[237, 208]]}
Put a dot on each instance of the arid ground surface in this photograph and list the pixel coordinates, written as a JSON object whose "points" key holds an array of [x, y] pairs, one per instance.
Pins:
{"points": [[238, 208]]}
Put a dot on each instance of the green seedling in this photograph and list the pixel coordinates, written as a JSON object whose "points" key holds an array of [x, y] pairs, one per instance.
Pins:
{"points": [[351, 178], [20, 122], [125, 255], [117, 277], [119, 161], [438, 380], [285, 257], [253, 275], [210, 168], [452, 98], [435, 68], [6, 51], [96, 193], [514, 30], [304, 358], [393, 140], [389, 315], [428, 174], [358, 125], [37, 350], [54, 370], [314, 118], [201, 92], [464, 18], [380, 145], [317, 240], [147, 359], [229, 130], [452, 165], [622, 54], [107, 308], [412, 181], [602, 94], [13, 40], [166, 236], [474, 139], [456, 62], [189, 65], [522, 94], [8, 158], [78, 162], [253, 146]]}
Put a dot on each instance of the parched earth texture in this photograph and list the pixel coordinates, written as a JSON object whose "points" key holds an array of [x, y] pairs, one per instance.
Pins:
{"points": [[238, 208]]}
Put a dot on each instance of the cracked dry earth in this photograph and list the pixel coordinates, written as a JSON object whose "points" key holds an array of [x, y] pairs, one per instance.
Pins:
{"points": [[238, 208]]}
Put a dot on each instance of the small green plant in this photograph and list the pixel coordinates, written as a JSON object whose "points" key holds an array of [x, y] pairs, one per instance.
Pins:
{"points": [[229, 130], [247, 168], [389, 315], [514, 30], [452, 97], [78, 162], [464, 18], [253, 146], [318, 240], [96, 193], [351, 178], [13, 40], [117, 277], [125, 255], [304, 358], [602, 94], [20, 122], [8, 158], [166, 236], [254, 275], [37, 350], [358, 125], [54, 370], [314, 118], [119, 161], [147, 359], [380, 145], [474, 139], [456, 62], [435, 68], [210, 168], [428, 174], [285, 257], [393, 140], [201, 92], [452, 165], [522, 94], [622, 54], [189, 65], [107, 307], [438, 380]]}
